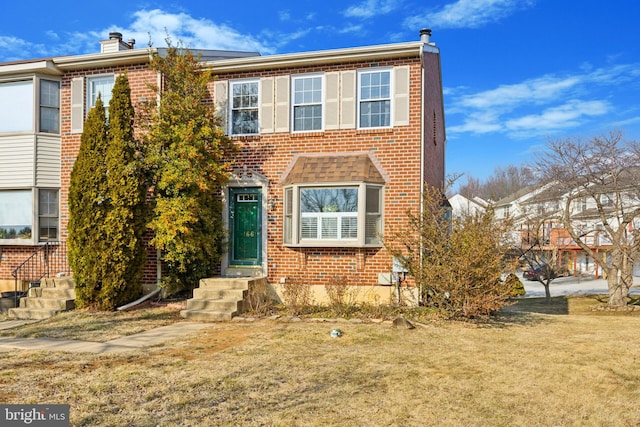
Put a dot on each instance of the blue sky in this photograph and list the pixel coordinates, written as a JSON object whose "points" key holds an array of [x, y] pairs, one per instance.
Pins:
{"points": [[516, 73]]}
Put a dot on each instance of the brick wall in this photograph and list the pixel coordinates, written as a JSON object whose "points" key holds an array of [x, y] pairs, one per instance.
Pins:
{"points": [[398, 151]]}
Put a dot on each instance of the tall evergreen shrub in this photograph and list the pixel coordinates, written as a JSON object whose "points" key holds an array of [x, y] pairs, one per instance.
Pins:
{"points": [[189, 157], [88, 209]]}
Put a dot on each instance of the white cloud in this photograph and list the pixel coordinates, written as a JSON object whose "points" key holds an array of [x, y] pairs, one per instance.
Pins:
{"points": [[538, 106], [563, 116], [370, 8], [468, 13], [535, 90]]}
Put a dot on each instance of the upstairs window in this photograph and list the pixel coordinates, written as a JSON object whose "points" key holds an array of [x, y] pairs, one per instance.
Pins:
{"points": [[49, 106], [16, 106], [374, 98], [244, 108], [102, 85], [307, 97]]}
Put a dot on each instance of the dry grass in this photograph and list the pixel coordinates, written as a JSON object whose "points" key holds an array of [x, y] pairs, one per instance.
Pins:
{"points": [[524, 369]]}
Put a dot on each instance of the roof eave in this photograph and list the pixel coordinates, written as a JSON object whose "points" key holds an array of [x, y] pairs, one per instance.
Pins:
{"points": [[321, 57], [125, 57], [45, 66]]}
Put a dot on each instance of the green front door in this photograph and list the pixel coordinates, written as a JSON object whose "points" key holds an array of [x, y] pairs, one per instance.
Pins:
{"points": [[245, 224]]}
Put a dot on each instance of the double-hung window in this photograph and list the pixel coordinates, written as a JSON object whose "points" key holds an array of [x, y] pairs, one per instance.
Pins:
{"points": [[244, 107], [49, 106], [47, 214], [99, 85], [374, 98], [349, 215], [307, 101]]}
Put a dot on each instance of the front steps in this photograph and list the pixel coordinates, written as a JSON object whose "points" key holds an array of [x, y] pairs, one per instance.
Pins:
{"points": [[53, 296], [219, 299]]}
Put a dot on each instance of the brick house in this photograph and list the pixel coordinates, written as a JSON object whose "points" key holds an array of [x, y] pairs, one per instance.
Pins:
{"points": [[335, 146]]}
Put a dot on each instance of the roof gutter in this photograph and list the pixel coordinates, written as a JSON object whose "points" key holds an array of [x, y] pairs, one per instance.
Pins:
{"points": [[322, 57]]}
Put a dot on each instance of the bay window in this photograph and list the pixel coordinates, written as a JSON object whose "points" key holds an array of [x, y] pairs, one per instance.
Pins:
{"points": [[335, 215], [49, 106]]}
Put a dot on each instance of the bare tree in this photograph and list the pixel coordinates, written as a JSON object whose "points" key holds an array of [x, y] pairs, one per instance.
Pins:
{"points": [[503, 182], [600, 180]]}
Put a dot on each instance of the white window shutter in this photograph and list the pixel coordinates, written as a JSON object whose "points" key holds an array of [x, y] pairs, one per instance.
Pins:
{"points": [[77, 104], [266, 105], [401, 96], [332, 101], [221, 102], [348, 102], [282, 104]]}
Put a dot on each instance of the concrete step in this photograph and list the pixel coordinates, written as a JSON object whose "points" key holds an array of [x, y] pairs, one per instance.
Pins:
{"points": [[220, 294], [32, 313], [48, 303], [243, 272], [59, 293], [58, 282], [220, 298], [214, 305], [224, 283], [207, 315]]}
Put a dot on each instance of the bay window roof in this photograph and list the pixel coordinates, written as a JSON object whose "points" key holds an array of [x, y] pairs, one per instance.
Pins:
{"points": [[341, 167]]}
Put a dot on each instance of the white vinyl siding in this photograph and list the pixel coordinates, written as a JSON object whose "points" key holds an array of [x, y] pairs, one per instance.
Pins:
{"points": [[17, 154], [48, 161]]}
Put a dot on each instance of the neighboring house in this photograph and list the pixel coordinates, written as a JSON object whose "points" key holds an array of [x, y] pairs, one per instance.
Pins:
{"points": [[460, 205], [335, 146], [536, 213]]}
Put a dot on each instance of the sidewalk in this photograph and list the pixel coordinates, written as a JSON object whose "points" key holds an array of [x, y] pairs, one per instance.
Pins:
{"points": [[151, 338]]}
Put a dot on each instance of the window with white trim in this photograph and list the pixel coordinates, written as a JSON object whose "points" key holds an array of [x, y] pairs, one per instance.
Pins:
{"points": [[374, 98], [349, 215], [244, 107], [16, 106], [16, 213], [47, 215], [102, 85], [307, 101], [49, 106]]}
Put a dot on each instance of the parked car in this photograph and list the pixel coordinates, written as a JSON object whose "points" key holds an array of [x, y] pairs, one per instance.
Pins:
{"points": [[535, 273]]}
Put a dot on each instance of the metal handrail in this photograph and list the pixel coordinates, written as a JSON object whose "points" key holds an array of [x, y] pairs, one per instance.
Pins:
{"points": [[48, 258]]}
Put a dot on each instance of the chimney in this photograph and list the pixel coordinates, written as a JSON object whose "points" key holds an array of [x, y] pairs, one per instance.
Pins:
{"points": [[425, 35], [115, 43]]}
